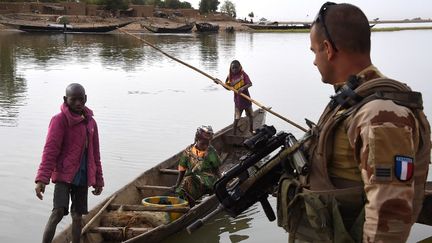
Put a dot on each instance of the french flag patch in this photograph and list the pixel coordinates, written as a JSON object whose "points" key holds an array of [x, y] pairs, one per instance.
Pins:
{"points": [[404, 167]]}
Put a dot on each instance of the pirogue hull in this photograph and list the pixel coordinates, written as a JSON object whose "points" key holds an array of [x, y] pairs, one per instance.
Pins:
{"points": [[166, 29], [206, 27], [58, 28], [122, 218]]}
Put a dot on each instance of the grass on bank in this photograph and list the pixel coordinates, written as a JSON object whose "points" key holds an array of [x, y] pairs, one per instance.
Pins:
{"points": [[373, 29]]}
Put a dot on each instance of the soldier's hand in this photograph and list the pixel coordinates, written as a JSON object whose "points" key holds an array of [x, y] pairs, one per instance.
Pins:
{"points": [[40, 189], [97, 190]]}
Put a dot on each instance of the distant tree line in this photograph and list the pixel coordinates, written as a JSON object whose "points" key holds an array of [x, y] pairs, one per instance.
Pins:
{"points": [[120, 4], [162, 4], [205, 6]]}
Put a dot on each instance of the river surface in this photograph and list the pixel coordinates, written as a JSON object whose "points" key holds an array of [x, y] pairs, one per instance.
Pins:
{"points": [[148, 107]]}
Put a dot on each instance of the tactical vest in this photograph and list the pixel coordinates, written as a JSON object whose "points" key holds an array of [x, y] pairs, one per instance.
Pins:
{"points": [[326, 206]]}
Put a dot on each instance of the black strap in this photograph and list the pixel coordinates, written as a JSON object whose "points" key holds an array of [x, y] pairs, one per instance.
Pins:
{"points": [[346, 96], [410, 99]]}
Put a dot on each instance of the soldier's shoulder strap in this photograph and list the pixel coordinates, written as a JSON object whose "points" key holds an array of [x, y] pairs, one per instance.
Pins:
{"points": [[387, 89]]}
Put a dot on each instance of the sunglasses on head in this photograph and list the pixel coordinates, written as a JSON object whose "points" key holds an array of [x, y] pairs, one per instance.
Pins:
{"points": [[320, 18]]}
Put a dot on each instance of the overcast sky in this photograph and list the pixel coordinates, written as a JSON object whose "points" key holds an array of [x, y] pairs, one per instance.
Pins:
{"points": [[306, 9]]}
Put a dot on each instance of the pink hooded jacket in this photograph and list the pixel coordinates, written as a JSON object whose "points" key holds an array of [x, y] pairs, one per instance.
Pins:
{"points": [[64, 146]]}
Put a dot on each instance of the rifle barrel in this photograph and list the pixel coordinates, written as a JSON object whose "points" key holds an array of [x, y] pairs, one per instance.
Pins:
{"points": [[200, 222]]}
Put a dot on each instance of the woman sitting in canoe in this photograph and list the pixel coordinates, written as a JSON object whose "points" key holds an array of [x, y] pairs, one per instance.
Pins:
{"points": [[198, 167]]}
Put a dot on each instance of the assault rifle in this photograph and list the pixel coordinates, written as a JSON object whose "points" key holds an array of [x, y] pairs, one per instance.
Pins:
{"points": [[254, 178]]}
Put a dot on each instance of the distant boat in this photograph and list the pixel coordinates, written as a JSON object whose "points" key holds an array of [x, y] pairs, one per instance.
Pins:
{"points": [[207, 27], [63, 28], [277, 26], [170, 29], [229, 29]]}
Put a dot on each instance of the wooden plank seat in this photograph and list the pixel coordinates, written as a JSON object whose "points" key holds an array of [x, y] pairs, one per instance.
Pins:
{"points": [[118, 230], [147, 208], [151, 187], [169, 171], [119, 233]]}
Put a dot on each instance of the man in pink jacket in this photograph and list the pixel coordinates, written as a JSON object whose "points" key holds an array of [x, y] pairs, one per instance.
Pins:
{"points": [[71, 159]]}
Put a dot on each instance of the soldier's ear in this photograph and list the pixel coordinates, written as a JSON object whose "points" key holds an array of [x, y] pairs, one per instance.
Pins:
{"points": [[330, 51]]}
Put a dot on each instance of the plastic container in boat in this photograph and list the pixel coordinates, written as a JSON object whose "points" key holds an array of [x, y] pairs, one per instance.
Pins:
{"points": [[166, 202]]}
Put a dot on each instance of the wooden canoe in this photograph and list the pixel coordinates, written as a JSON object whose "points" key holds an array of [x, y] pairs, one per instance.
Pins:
{"points": [[122, 218], [186, 28], [207, 27], [62, 28]]}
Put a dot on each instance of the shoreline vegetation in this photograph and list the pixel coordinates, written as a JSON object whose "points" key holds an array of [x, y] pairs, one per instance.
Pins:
{"points": [[374, 29], [139, 22]]}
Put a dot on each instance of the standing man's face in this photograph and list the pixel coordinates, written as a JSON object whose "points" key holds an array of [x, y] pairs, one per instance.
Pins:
{"points": [[321, 58], [75, 100]]}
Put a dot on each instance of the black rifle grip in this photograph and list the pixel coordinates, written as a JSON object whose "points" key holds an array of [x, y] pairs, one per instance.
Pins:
{"points": [[267, 209]]}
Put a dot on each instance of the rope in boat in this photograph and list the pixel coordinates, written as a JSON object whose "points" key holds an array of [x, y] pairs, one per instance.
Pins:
{"points": [[216, 80]]}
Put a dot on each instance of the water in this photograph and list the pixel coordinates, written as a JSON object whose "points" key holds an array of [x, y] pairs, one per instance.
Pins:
{"points": [[148, 106]]}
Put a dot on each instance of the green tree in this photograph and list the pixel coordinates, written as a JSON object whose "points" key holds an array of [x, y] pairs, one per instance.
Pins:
{"points": [[172, 3], [208, 6], [158, 3], [185, 5], [251, 15], [114, 5], [138, 2], [229, 9], [164, 3]]}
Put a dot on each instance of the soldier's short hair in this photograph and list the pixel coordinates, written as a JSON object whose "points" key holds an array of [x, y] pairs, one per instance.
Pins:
{"points": [[347, 26]]}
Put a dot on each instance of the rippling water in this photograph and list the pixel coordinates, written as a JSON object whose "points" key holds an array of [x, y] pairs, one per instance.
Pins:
{"points": [[148, 106]]}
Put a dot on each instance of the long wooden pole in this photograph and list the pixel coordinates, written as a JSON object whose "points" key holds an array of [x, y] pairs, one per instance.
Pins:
{"points": [[96, 216], [216, 80]]}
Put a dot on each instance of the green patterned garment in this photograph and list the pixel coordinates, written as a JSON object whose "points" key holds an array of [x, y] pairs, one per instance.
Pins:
{"points": [[200, 175]]}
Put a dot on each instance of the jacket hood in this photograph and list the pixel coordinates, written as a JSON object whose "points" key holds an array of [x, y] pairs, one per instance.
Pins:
{"points": [[72, 118]]}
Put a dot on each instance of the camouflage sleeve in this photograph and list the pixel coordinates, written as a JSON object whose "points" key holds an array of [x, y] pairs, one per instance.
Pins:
{"points": [[183, 164], [214, 157], [385, 137]]}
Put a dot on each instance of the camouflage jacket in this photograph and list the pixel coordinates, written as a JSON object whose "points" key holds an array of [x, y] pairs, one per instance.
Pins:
{"points": [[385, 138]]}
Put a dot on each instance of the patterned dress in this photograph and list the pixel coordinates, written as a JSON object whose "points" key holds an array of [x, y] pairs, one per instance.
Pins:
{"points": [[201, 172]]}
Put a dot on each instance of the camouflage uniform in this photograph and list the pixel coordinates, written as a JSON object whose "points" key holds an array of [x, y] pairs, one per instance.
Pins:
{"points": [[201, 173], [362, 168]]}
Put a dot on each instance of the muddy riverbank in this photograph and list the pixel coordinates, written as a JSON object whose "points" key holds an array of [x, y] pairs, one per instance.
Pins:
{"points": [[136, 26]]}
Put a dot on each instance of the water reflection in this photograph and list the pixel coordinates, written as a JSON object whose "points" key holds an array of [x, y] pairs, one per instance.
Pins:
{"points": [[12, 86], [208, 50], [48, 50], [32, 51], [222, 229], [227, 45]]}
